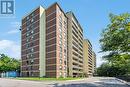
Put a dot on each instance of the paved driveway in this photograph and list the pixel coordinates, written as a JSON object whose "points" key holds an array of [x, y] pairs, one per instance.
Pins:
{"points": [[88, 82]]}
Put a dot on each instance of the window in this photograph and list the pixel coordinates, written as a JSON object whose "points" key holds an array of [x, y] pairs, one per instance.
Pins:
{"points": [[27, 28], [60, 67], [60, 42], [64, 50], [32, 44], [32, 14], [60, 30], [32, 50], [65, 23], [65, 56], [65, 46], [27, 34], [32, 61], [60, 36], [64, 67], [61, 55], [32, 27], [27, 46], [27, 23], [32, 20], [64, 34], [60, 61], [31, 55], [32, 32], [60, 73], [60, 24], [65, 40], [60, 49], [27, 17], [27, 62], [65, 62], [27, 56], [27, 40], [32, 37], [65, 27], [60, 18], [28, 51]]}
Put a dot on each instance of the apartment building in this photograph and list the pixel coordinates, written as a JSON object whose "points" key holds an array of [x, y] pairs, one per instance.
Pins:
{"points": [[94, 63], [44, 43], [56, 42], [53, 46], [88, 58], [33, 43], [75, 46]]}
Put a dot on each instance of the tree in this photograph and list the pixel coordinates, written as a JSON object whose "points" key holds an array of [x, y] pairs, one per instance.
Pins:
{"points": [[8, 64], [103, 69], [115, 41], [116, 37]]}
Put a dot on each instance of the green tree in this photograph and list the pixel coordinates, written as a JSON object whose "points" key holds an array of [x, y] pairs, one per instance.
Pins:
{"points": [[8, 64], [115, 41], [116, 37], [103, 69]]}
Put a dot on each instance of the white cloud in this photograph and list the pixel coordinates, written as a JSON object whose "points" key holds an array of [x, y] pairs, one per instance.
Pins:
{"points": [[15, 26], [10, 48], [13, 31]]}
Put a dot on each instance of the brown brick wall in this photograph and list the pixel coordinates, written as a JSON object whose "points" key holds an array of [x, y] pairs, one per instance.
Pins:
{"points": [[50, 68], [51, 23], [50, 55], [50, 42], [35, 74], [27, 66], [50, 47], [51, 9], [51, 74], [51, 16], [51, 35], [51, 61], [51, 29]]}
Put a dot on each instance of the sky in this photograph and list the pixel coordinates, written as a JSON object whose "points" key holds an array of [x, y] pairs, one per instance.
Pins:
{"points": [[93, 15]]}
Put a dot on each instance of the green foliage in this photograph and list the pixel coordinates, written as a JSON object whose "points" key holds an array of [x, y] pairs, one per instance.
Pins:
{"points": [[8, 64], [116, 37], [118, 67], [103, 69], [116, 41]]}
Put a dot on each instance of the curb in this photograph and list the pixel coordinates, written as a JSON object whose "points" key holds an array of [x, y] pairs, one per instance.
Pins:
{"points": [[123, 81], [75, 80]]}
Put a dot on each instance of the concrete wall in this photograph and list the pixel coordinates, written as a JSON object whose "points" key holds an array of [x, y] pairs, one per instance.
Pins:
{"points": [[42, 43]]}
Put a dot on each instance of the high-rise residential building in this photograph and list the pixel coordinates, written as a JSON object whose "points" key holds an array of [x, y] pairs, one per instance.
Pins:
{"points": [[94, 63], [56, 42], [53, 46], [88, 58], [75, 46], [33, 43], [44, 43]]}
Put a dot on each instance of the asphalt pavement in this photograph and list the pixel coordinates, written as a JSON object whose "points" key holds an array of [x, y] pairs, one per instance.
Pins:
{"points": [[87, 82]]}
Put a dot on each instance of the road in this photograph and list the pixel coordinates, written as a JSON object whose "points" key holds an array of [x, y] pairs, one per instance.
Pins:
{"points": [[88, 82]]}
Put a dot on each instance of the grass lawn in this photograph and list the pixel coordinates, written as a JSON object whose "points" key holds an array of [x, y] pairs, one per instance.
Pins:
{"points": [[43, 79]]}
